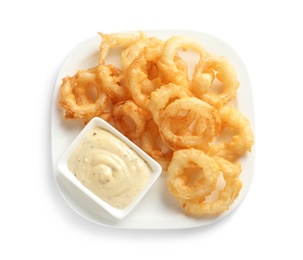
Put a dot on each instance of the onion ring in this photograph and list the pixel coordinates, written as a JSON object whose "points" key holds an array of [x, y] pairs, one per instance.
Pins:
{"points": [[171, 71], [130, 53], [242, 138], [110, 41], [142, 74], [129, 119], [163, 96], [204, 77], [204, 128], [233, 185], [192, 174], [112, 78], [75, 97]]}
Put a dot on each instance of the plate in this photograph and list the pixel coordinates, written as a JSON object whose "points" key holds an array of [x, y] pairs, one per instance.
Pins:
{"points": [[158, 210]]}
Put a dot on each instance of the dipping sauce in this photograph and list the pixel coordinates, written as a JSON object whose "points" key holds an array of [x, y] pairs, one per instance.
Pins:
{"points": [[109, 168]]}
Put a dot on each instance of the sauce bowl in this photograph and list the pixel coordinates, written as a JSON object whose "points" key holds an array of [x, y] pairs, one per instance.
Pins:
{"points": [[64, 169]]}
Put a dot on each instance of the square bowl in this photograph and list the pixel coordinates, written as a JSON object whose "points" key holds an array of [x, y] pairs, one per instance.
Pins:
{"points": [[64, 169]]}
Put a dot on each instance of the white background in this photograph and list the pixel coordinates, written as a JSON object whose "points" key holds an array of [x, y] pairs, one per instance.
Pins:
{"points": [[36, 36]]}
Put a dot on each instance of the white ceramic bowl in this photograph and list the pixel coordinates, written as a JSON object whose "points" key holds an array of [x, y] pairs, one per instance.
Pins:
{"points": [[63, 168]]}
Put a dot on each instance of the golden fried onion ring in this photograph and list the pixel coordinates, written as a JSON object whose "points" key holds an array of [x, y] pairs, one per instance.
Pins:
{"points": [[130, 53], [204, 77], [231, 190], [242, 138], [111, 77], [204, 128], [142, 74], [167, 63], [129, 119], [192, 174], [110, 41], [163, 96], [75, 95]]}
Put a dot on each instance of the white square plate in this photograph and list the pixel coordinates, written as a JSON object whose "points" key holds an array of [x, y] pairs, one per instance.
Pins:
{"points": [[158, 209]]}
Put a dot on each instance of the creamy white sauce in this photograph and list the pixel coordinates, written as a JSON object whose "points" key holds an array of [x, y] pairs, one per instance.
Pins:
{"points": [[109, 168]]}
